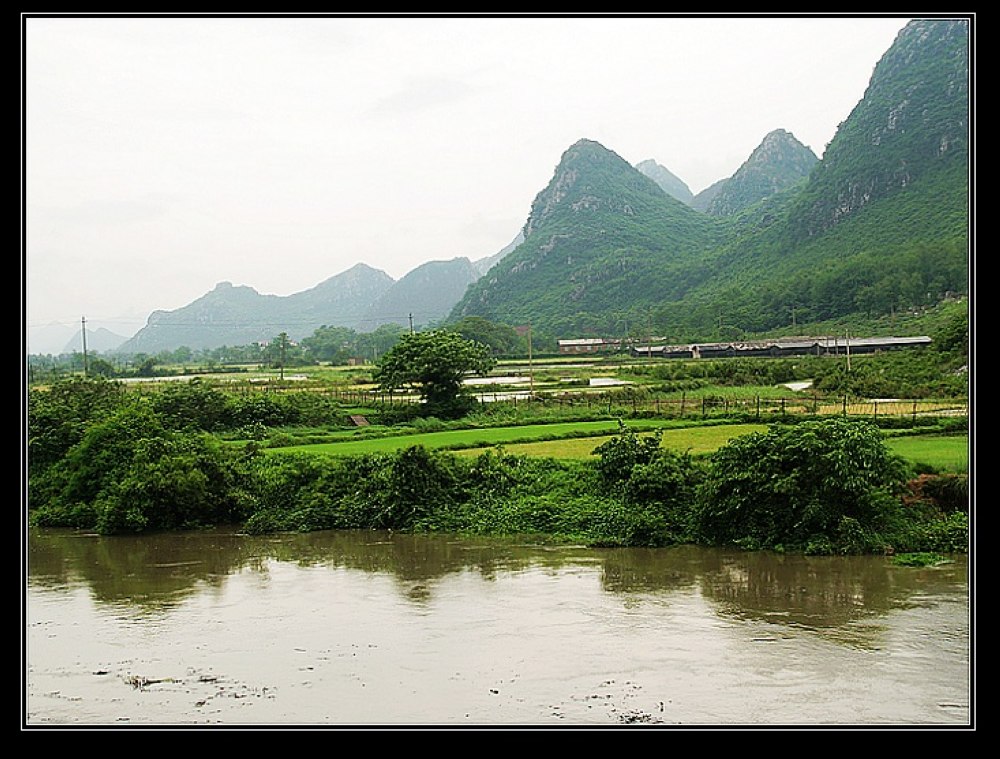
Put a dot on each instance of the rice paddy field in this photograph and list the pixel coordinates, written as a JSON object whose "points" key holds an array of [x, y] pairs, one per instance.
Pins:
{"points": [[577, 440], [944, 452]]}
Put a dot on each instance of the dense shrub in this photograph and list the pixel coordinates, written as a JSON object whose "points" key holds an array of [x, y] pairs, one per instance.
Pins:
{"points": [[130, 473], [299, 492], [103, 460], [617, 457], [418, 483], [800, 485], [260, 409], [192, 404], [946, 534], [59, 416]]}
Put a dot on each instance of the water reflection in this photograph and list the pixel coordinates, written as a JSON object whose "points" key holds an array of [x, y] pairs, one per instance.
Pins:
{"points": [[367, 627], [817, 593]]}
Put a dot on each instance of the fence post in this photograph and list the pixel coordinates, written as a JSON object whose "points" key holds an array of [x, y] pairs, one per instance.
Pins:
{"points": [[683, 398], [782, 406], [703, 406], [913, 419], [845, 404], [758, 408], [874, 410]]}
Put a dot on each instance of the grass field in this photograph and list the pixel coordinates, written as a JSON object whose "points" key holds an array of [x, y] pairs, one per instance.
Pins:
{"points": [[575, 440], [946, 452], [481, 438], [694, 439], [563, 440]]}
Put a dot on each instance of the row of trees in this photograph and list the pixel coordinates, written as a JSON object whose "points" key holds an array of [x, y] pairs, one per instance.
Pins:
{"points": [[338, 346]]}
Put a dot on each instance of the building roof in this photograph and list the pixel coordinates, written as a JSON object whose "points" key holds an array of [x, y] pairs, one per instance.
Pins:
{"points": [[784, 343]]}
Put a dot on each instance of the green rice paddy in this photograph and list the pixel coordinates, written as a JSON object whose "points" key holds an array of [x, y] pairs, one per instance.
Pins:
{"points": [[577, 440]]}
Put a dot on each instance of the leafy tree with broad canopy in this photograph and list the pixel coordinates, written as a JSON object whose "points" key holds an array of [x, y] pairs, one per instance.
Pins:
{"points": [[435, 362]]}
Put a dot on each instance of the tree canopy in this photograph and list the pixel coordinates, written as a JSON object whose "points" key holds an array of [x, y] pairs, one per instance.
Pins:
{"points": [[434, 362]]}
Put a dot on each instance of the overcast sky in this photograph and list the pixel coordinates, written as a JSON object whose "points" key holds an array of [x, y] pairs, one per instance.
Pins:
{"points": [[164, 155]]}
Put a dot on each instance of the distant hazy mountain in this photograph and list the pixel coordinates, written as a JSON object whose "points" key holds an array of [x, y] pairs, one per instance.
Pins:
{"points": [[239, 315], [483, 265], [668, 182], [704, 199], [426, 293], [361, 298], [98, 340], [880, 224], [48, 339], [779, 162]]}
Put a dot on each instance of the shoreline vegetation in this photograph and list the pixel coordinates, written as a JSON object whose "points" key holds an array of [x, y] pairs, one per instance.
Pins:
{"points": [[190, 455]]}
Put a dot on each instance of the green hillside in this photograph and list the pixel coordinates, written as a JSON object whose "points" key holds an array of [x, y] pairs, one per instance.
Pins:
{"points": [[879, 226], [599, 228], [779, 162]]}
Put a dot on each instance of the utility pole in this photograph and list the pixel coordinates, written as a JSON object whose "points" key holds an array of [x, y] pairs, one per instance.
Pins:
{"points": [[83, 335], [284, 344], [848, 344], [411, 324], [531, 368], [649, 335]]}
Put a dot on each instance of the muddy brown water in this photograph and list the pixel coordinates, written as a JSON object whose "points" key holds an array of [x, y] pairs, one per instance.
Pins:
{"points": [[362, 629]]}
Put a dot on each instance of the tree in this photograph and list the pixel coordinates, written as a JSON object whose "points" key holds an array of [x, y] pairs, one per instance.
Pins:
{"points": [[435, 362], [500, 338]]}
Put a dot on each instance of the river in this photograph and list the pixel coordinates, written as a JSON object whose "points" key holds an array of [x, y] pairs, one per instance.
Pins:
{"points": [[379, 630]]}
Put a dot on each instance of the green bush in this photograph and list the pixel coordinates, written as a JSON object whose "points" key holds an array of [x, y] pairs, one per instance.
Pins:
{"points": [[617, 457], [794, 486], [948, 534], [192, 404], [59, 416], [418, 483]]}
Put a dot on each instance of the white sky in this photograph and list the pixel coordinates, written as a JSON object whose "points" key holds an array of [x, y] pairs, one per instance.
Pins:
{"points": [[164, 155]]}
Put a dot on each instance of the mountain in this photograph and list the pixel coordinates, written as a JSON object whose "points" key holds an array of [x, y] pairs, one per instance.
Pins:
{"points": [[600, 240], [483, 265], [779, 162], [48, 339], [361, 298], [667, 181], [427, 294], [704, 199], [343, 300], [98, 340], [239, 315], [879, 225], [912, 121]]}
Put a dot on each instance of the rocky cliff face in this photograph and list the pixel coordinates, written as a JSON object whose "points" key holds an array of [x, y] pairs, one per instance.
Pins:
{"points": [[913, 120]]}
